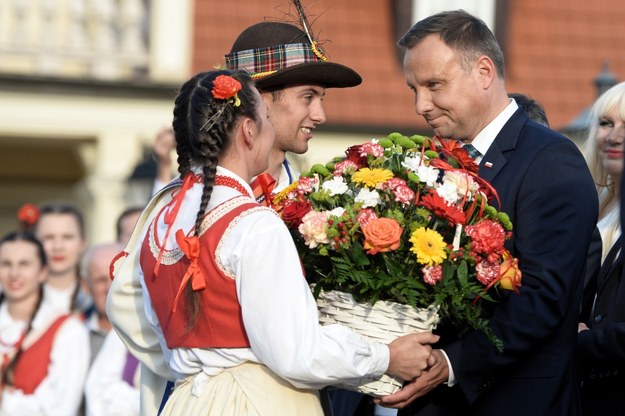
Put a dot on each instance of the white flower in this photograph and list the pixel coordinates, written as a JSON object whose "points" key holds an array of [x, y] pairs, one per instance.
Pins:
{"points": [[368, 198], [337, 212], [427, 174], [336, 186], [448, 191], [465, 184], [412, 163]]}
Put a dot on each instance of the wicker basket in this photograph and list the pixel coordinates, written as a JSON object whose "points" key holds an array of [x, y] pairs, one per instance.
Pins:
{"points": [[382, 322]]}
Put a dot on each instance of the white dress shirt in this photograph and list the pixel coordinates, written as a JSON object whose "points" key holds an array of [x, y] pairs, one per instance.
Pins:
{"points": [[106, 392], [60, 392]]}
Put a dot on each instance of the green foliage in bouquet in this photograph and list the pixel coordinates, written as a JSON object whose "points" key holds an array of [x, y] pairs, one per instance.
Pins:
{"points": [[403, 219]]}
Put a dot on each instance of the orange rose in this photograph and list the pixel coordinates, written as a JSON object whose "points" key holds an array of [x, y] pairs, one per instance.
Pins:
{"points": [[225, 87], [510, 273], [381, 235]]}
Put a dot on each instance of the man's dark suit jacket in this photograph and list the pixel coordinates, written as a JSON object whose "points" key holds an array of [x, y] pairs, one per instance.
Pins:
{"points": [[544, 185]]}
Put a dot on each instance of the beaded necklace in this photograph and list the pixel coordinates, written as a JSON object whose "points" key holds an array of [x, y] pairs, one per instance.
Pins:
{"points": [[231, 183]]}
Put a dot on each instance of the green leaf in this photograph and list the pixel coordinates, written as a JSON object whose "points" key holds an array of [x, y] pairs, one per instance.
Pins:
{"points": [[358, 256]]}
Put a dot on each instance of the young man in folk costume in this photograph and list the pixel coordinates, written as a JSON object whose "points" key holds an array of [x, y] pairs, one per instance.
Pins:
{"points": [[292, 73], [292, 77]]}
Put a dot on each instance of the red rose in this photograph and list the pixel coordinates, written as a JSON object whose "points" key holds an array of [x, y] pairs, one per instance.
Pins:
{"points": [[293, 212], [225, 87], [355, 154], [28, 214]]}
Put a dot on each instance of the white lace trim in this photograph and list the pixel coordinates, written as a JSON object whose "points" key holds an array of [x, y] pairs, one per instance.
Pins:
{"points": [[174, 255]]}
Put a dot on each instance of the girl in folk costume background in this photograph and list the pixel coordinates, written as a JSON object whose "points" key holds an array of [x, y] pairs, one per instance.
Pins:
{"points": [[224, 286], [61, 229], [45, 351]]}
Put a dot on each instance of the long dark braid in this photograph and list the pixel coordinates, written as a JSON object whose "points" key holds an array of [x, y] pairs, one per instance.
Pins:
{"points": [[200, 142], [7, 374]]}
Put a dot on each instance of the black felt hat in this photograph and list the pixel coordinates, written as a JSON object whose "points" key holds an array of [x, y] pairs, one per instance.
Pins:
{"points": [[278, 54]]}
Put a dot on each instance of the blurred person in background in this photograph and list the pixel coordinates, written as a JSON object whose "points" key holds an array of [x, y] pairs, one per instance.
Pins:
{"points": [[61, 229], [112, 387], [601, 336], [532, 108], [96, 272], [45, 350]]}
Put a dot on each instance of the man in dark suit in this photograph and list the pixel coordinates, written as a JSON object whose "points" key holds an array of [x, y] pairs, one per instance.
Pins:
{"points": [[456, 70]]}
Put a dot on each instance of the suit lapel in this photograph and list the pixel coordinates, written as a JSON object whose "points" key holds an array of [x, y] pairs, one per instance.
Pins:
{"points": [[612, 265], [494, 159]]}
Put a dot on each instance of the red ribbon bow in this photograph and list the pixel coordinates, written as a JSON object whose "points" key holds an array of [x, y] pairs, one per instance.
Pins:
{"points": [[172, 213], [263, 186], [190, 246]]}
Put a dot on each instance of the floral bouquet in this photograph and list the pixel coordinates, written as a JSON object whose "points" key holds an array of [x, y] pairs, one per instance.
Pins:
{"points": [[406, 220]]}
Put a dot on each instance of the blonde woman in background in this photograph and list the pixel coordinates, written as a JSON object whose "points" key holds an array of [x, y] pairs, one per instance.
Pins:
{"points": [[603, 151], [601, 337]]}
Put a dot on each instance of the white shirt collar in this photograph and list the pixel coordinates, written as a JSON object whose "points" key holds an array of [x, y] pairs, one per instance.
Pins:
{"points": [[486, 137]]}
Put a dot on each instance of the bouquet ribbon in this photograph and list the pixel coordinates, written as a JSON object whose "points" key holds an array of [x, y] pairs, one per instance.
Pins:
{"points": [[263, 186]]}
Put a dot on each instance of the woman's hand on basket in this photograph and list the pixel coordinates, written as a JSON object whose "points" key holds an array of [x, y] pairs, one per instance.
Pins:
{"points": [[411, 354]]}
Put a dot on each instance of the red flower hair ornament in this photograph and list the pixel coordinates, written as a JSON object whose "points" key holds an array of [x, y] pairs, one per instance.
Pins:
{"points": [[28, 215], [225, 88]]}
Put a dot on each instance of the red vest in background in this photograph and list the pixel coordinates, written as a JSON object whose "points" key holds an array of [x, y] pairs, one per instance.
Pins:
{"points": [[219, 322], [33, 363]]}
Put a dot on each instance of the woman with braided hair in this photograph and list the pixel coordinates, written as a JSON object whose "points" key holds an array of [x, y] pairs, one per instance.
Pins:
{"points": [[61, 229], [224, 290], [44, 350]]}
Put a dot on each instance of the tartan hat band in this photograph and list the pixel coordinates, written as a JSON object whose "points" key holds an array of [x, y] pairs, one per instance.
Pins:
{"points": [[278, 55], [265, 61]]}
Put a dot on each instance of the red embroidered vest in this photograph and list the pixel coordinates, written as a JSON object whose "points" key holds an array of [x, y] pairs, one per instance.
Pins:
{"points": [[219, 323], [32, 364]]}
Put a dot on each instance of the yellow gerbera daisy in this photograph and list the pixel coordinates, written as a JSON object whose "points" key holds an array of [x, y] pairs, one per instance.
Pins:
{"points": [[280, 196], [429, 246], [372, 177]]}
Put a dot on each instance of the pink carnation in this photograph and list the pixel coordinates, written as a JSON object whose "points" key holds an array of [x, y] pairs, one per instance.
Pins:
{"points": [[365, 216], [306, 185], [432, 274], [487, 271], [314, 228], [404, 194], [394, 183], [341, 167], [372, 149]]}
